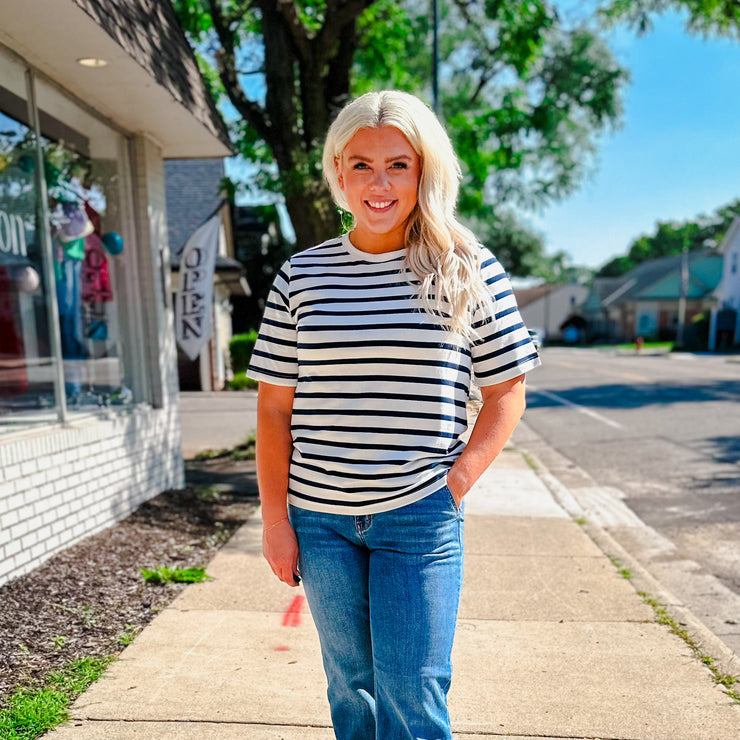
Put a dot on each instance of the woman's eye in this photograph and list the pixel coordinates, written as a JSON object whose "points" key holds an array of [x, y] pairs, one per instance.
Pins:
{"points": [[360, 166], [399, 166]]}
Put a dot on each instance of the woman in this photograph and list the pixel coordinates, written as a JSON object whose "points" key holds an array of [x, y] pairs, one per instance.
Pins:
{"points": [[365, 358]]}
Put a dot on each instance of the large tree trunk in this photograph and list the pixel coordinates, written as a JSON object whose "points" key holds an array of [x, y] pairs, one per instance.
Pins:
{"points": [[314, 215]]}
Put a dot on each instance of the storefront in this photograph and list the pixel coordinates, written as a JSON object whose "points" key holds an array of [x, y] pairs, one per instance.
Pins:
{"points": [[93, 96]]}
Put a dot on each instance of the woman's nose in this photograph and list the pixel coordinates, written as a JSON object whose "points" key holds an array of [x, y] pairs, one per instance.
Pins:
{"points": [[381, 180]]}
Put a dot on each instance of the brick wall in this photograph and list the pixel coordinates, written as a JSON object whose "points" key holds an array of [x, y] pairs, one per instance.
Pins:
{"points": [[59, 484], [62, 484]]}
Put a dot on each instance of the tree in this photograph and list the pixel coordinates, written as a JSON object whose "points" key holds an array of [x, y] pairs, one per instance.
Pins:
{"points": [[707, 17], [670, 237], [523, 97]]}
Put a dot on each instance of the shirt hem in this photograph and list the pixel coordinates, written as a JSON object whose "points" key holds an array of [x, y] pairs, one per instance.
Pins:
{"points": [[372, 508]]}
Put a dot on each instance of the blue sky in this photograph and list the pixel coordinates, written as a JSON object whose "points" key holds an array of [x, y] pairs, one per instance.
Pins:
{"points": [[677, 154]]}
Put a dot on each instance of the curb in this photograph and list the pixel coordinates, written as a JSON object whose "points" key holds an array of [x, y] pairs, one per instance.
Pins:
{"points": [[724, 659]]}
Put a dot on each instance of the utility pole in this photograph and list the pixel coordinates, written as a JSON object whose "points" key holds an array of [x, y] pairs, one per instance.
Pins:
{"points": [[680, 329], [435, 57]]}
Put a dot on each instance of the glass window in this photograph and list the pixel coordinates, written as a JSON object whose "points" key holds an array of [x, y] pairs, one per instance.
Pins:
{"points": [[26, 362], [92, 273], [82, 167]]}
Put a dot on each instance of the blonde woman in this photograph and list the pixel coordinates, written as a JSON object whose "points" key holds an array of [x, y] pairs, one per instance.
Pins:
{"points": [[365, 358]]}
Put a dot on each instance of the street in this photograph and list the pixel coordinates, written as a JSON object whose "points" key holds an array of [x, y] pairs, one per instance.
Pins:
{"points": [[655, 440]]}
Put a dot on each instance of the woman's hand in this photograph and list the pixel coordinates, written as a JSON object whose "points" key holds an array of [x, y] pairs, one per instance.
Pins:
{"points": [[280, 548], [458, 488]]}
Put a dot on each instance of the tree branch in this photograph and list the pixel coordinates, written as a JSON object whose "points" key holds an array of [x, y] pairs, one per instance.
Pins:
{"points": [[338, 15], [226, 61], [296, 30]]}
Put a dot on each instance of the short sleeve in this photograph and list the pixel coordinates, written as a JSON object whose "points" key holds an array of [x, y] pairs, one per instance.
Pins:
{"points": [[274, 356], [504, 349]]}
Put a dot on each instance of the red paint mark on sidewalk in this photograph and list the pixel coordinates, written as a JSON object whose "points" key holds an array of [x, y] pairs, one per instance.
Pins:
{"points": [[292, 615]]}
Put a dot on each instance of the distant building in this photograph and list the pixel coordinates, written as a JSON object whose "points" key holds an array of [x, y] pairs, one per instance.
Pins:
{"points": [[547, 308], [724, 330], [193, 194], [645, 301]]}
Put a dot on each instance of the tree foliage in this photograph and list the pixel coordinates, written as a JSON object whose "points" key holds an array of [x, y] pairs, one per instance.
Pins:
{"points": [[523, 97], [670, 237], [706, 17]]}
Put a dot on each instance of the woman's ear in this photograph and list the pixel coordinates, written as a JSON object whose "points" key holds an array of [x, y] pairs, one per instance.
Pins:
{"points": [[338, 168]]}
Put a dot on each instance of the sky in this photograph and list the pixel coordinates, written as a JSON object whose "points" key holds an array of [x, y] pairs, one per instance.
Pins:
{"points": [[677, 154]]}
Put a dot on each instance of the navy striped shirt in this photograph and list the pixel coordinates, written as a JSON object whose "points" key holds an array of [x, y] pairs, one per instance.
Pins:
{"points": [[381, 390]]}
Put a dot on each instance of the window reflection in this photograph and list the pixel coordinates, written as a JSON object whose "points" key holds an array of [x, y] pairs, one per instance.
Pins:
{"points": [[25, 360]]}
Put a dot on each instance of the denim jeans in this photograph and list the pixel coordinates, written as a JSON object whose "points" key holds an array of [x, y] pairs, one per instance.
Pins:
{"points": [[384, 591]]}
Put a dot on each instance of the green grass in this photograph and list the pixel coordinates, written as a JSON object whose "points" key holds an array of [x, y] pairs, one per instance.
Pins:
{"points": [[33, 710], [127, 636], [163, 574], [631, 345], [663, 617]]}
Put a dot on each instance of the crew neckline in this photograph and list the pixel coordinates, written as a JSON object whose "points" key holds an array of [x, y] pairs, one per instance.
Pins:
{"points": [[371, 256]]}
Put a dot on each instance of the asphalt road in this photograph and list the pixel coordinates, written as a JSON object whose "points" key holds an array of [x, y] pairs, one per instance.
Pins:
{"points": [[659, 435]]}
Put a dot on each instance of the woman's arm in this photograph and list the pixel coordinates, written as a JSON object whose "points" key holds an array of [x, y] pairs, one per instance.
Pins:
{"points": [[503, 406], [274, 447]]}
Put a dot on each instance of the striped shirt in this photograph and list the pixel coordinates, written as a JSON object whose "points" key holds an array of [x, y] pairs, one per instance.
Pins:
{"points": [[381, 390]]}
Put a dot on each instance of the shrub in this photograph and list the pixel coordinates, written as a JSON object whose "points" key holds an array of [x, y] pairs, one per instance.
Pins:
{"points": [[240, 347]]}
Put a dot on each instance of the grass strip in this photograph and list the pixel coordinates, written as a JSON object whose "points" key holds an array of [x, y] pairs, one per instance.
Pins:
{"points": [[663, 617], [34, 710]]}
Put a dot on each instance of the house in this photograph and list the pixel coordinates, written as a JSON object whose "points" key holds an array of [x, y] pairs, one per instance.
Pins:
{"points": [[546, 308], [193, 188], [646, 300], [94, 97], [724, 328]]}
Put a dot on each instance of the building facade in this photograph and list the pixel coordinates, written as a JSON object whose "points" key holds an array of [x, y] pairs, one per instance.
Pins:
{"points": [[724, 330], [93, 97]]}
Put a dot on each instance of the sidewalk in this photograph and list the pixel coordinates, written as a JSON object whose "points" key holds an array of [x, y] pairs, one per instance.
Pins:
{"points": [[552, 643]]}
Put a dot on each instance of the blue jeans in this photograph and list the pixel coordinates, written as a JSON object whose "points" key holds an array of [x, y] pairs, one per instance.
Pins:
{"points": [[384, 591]]}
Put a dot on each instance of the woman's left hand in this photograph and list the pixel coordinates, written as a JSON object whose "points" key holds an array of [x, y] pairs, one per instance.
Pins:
{"points": [[457, 490]]}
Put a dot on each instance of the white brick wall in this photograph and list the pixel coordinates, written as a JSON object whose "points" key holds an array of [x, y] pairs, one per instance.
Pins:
{"points": [[59, 484], [99, 471]]}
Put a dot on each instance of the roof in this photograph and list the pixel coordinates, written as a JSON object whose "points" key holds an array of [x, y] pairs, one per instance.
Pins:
{"points": [[192, 194], [732, 233], [149, 31], [150, 85], [661, 278], [526, 296]]}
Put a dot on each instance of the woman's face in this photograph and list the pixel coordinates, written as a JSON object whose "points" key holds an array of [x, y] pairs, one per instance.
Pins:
{"points": [[379, 174]]}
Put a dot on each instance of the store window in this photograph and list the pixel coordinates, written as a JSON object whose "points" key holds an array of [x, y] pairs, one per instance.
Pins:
{"points": [[64, 260]]}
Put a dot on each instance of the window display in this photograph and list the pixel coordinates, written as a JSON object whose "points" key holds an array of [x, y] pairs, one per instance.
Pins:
{"points": [[81, 222], [26, 382]]}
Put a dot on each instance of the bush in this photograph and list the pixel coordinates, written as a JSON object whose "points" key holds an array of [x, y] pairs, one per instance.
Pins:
{"points": [[240, 347]]}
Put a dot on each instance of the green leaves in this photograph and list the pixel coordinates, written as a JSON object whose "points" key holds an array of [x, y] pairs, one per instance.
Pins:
{"points": [[705, 17], [163, 574]]}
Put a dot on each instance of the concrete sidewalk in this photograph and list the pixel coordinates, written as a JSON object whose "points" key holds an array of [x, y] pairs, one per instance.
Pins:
{"points": [[552, 642]]}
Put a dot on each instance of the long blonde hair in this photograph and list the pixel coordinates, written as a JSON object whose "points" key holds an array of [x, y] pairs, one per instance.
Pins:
{"points": [[440, 251]]}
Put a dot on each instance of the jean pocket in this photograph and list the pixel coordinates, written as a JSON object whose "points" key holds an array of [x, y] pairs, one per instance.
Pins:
{"points": [[457, 508]]}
